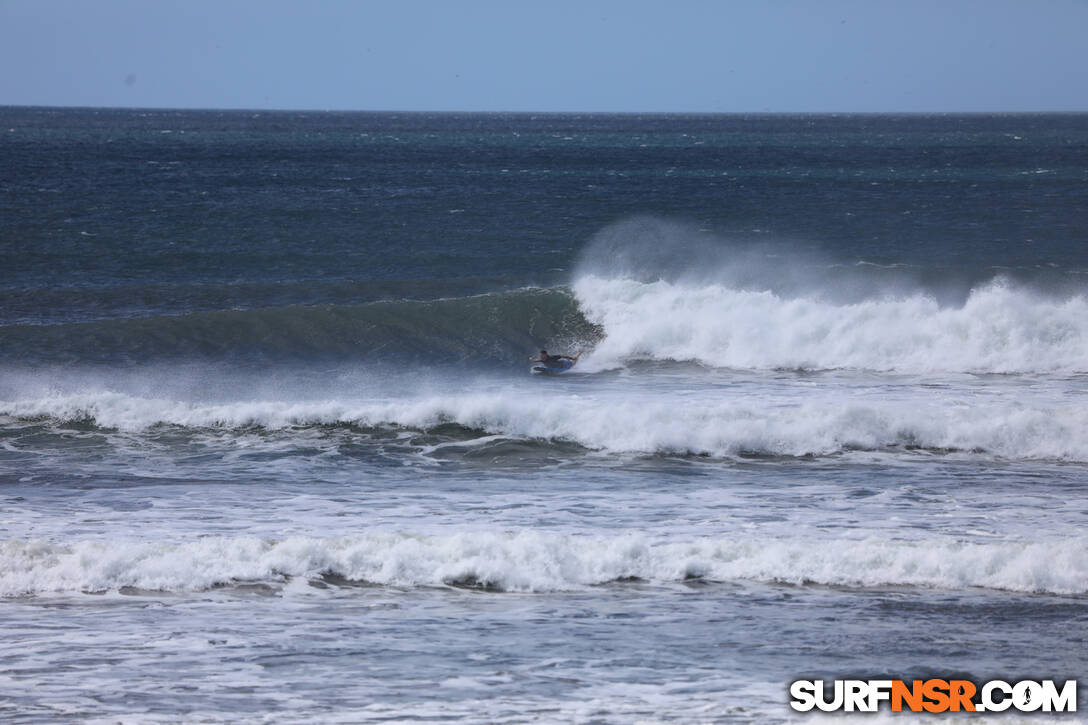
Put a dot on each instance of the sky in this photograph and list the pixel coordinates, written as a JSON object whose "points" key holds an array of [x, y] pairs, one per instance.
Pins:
{"points": [[728, 56]]}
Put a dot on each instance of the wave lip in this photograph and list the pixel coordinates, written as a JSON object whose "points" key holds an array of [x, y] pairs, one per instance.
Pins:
{"points": [[531, 561], [999, 329]]}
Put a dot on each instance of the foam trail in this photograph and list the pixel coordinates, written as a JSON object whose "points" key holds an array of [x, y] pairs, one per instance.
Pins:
{"points": [[531, 561]]}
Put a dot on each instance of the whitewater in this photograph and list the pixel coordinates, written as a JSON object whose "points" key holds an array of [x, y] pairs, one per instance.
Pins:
{"points": [[274, 454], [526, 561], [672, 366], [998, 329]]}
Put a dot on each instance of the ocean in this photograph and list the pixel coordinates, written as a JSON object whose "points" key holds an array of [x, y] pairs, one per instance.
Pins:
{"points": [[271, 452]]}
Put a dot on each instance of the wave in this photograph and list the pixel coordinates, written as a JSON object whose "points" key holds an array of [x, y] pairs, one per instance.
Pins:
{"points": [[660, 290], [622, 425], [644, 289], [501, 327], [72, 304], [531, 561], [999, 329]]}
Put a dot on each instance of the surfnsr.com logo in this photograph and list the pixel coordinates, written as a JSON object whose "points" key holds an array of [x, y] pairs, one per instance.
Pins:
{"points": [[934, 695]]}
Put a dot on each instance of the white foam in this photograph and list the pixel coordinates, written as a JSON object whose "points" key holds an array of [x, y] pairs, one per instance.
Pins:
{"points": [[530, 561], [619, 421], [999, 329]]}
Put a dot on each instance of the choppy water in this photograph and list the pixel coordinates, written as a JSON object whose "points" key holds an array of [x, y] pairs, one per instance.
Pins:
{"points": [[270, 451]]}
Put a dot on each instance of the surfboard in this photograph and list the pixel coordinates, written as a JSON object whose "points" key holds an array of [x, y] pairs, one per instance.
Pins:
{"points": [[562, 367]]}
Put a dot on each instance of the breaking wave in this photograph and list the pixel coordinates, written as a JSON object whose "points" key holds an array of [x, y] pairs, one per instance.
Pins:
{"points": [[644, 290], [660, 291], [633, 425], [530, 561], [999, 329]]}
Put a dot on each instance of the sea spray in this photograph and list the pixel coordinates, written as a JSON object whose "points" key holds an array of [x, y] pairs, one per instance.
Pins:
{"points": [[660, 289], [999, 329]]}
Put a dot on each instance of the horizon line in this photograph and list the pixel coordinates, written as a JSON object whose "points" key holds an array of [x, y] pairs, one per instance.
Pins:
{"points": [[244, 109]]}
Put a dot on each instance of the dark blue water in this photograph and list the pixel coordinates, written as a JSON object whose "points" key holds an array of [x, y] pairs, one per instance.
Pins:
{"points": [[175, 210], [267, 431]]}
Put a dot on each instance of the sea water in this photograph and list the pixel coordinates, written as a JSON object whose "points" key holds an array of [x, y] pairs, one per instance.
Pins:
{"points": [[270, 450]]}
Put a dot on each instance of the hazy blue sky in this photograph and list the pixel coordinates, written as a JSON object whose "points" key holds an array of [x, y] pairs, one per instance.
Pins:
{"points": [[548, 55]]}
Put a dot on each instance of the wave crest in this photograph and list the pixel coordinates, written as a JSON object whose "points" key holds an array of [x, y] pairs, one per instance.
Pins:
{"points": [[999, 329], [627, 426], [529, 561]]}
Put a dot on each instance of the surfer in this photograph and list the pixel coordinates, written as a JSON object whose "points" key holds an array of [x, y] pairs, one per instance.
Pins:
{"points": [[555, 361]]}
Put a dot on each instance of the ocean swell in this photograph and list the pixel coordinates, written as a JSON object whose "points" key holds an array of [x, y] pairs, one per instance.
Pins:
{"points": [[493, 328]]}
